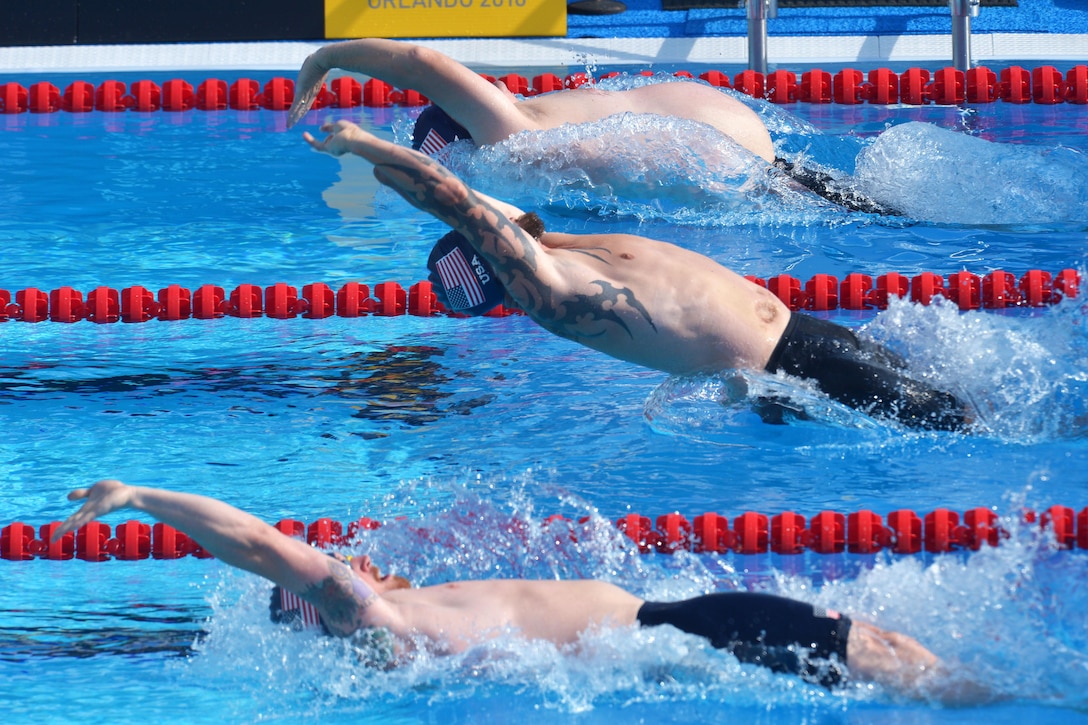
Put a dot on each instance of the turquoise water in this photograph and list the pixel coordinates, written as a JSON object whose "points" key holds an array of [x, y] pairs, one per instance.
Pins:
{"points": [[465, 426]]}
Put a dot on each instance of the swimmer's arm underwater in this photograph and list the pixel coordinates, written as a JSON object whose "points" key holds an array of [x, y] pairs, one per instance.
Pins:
{"points": [[244, 541]]}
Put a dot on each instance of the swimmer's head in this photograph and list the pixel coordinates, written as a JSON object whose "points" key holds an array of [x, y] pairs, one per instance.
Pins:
{"points": [[435, 130], [374, 646], [365, 569], [466, 282], [463, 280], [288, 608]]}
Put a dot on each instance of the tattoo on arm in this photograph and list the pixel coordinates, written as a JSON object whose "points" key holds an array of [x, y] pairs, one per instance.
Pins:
{"points": [[581, 315], [513, 253], [342, 596]]}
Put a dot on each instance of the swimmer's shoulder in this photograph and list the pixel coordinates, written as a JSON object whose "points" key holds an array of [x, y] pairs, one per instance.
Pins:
{"points": [[561, 240]]}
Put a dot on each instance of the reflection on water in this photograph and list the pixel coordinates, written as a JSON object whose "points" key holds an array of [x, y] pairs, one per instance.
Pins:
{"points": [[403, 384], [149, 629]]}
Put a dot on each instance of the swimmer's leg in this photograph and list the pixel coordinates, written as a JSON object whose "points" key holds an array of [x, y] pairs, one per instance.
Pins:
{"points": [[832, 356], [782, 634], [832, 189]]}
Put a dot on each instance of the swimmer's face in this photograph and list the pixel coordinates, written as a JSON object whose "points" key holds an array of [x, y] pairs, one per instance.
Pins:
{"points": [[366, 570]]}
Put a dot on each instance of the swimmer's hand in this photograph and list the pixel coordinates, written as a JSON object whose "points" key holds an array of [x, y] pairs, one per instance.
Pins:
{"points": [[342, 138], [100, 499], [311, 79], [423, 182]]}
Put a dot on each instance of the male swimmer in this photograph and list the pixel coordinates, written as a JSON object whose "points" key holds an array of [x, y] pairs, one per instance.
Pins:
{"points": [[355, 600], [644, 301], [468, 107]]}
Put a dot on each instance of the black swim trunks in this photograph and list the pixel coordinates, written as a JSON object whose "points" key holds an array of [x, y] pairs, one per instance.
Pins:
{"points": [[833, 190], [781, 634], [871, 380]]}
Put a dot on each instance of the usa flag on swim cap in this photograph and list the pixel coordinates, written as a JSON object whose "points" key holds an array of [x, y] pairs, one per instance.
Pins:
{"points": [[435, 130], [433, 143], [463, 290], [307, 613]]}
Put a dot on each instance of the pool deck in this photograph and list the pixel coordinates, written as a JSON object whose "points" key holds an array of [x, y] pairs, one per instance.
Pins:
{"points": [[1043, 31]]}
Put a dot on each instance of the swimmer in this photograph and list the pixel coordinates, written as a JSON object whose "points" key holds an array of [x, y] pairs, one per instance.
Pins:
{"points": [[354, 599], [468, 107], [643, 301]]}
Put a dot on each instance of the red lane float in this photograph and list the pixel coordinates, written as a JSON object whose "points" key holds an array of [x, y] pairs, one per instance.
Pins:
{"points": [[823, 292], [788, 533], [915, 86]]}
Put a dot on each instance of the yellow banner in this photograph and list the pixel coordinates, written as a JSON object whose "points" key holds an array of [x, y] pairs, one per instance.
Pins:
{"points": [[444, 18]]}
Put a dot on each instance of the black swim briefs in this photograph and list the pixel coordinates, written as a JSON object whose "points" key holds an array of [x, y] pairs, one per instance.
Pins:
{"points": [[870, 379], [833, 190], [781, 634]]}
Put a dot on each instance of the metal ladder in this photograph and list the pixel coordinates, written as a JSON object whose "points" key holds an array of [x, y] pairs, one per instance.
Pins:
{"points": [[758, 11]]}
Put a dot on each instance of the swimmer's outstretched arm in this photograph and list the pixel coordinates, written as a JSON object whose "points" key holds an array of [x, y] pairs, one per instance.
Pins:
{"points": [[526, 269], [488, 112], [244, 541]]}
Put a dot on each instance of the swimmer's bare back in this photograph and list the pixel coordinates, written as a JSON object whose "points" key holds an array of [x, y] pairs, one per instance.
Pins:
{"points": [[688, 100], [655, 304], [491, 113]]}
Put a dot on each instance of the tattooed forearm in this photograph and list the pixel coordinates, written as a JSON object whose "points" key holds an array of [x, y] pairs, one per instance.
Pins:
{"points": [[513, 254], [429, 186]]}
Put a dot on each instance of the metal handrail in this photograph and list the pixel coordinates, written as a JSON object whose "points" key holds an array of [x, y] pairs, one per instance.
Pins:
{"points": [[758, 11]]}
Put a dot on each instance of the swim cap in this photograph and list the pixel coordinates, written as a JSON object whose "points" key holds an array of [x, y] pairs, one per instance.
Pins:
{"points": [[288, 608], [435, 130], [463, 280]]}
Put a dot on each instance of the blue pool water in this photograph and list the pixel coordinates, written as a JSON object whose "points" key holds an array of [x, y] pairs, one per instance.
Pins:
{"points": [[478, 430]]}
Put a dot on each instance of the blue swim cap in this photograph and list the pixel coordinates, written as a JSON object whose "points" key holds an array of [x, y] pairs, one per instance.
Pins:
{"points": [[463, 280], [435, 130]]}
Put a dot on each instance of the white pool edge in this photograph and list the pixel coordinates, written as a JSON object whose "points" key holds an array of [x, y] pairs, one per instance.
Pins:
{"points": [[785, 52]]}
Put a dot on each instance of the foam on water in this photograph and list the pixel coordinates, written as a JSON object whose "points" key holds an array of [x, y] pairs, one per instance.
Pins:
{"points": [[1024, 376], [948, 177], [637, 166], [656, 168]]}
